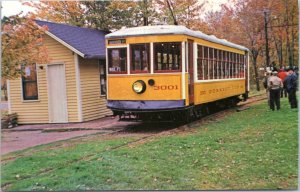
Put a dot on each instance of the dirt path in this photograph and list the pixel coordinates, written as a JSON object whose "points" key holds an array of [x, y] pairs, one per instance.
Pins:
{"points": [[25, 136]]}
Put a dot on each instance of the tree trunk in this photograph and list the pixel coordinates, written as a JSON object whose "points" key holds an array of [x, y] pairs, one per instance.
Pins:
{"points": [[278, 46], [293, 40], [288, 46], [145, 16], [254, 59], [281, 52]]}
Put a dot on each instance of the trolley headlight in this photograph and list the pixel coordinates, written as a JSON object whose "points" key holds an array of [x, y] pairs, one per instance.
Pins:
{"points": [[139, 86]]}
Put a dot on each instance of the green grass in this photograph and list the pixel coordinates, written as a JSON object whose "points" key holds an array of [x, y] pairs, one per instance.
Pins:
{"points": [[253, 149]]}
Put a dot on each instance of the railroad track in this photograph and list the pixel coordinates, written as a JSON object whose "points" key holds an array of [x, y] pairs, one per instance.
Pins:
{"points": [[179, 128], [176, 128], [152, 129]]}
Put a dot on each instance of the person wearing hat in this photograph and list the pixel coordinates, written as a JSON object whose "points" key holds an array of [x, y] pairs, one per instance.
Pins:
{"points": [[275, 84], [291, 87]]}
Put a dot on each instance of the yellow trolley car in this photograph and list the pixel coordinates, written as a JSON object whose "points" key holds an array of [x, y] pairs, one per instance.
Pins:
{"points": [[172, 72]]}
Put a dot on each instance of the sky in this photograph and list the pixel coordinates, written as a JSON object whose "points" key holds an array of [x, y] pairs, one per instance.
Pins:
{"points": [[12, 7]]}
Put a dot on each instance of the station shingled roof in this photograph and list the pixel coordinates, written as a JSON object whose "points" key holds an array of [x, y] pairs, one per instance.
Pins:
{"points": [[86, 42]]}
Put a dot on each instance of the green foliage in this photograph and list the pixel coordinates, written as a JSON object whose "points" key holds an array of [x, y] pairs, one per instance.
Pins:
{"points": [[185, 12], [253, 149], [106, 15]]}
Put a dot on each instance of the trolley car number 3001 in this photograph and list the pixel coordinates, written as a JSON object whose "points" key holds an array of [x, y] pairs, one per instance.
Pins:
{"points": [[165, 87]]}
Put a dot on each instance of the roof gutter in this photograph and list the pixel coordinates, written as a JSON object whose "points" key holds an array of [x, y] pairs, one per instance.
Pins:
{"points": [[94, 56]]}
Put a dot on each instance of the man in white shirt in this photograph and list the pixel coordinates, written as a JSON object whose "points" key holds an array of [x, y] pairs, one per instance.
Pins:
{"points": [[275, 85]]}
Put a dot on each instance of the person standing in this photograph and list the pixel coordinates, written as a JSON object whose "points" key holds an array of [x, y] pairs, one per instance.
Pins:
{"points": [[265, 83], [282, 75], [275, 84], [291, 87]]}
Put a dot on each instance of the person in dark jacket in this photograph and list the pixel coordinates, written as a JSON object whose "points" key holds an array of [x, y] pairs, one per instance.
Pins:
{"points": [[291, 87]]}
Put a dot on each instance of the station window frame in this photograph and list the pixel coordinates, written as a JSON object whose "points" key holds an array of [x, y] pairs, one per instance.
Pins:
{"points": [[102, 77], [30, 89]]}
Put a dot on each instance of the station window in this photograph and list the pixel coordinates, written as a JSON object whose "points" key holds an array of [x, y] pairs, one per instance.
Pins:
{"points": [[117, 60], [29, 83], [219, 64], [102, 73], [140, 58], [167, 57]]}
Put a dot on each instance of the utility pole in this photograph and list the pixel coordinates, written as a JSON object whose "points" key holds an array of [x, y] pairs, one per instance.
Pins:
{"points": [[267, 40]]}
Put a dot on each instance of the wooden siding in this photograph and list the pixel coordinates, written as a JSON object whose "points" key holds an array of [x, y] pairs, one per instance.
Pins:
{"points": [[93, 105], [29, 111], [37, 111]]}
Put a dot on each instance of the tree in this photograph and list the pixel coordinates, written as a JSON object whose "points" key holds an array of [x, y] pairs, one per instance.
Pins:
{"points": [[185, 12], [108, 15], [70, 12], [22, 44], [145, 13], [104, 15], [290, 13], [243, 23]]}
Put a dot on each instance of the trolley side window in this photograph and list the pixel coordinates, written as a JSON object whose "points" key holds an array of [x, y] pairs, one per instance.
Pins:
{"points": [[167, 57], [117, 60], [242, 66], [140, 58], [219, 64], [200, 63], [205, 63]]}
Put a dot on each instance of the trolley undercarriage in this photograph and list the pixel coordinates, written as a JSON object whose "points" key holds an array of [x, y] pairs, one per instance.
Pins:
{"points": [[185, 114]]}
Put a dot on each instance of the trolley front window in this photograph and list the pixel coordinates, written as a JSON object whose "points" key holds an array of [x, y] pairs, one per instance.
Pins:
{"points": [[167, 57], [140, 58], [117, 60]]}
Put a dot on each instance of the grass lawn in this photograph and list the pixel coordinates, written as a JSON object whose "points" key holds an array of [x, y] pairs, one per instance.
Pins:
{"points": [[253, 149]]}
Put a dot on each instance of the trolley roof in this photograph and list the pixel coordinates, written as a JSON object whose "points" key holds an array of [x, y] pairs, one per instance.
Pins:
{"points": [[170, 30]]}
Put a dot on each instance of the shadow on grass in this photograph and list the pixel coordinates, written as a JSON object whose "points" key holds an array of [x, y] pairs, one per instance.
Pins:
{"points": [[151, 127]]}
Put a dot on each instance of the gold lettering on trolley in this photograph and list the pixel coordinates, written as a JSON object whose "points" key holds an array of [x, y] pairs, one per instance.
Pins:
{"points": [[165, 87], [219, 90]]}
